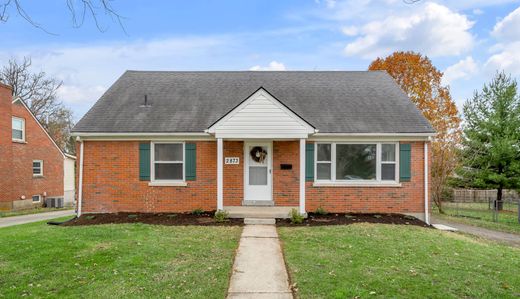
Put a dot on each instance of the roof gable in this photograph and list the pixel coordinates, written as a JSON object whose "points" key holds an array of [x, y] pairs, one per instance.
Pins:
{"points": [[261, 115], [19, 100]]}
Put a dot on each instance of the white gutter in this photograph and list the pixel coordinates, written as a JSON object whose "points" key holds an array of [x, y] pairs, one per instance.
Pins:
{"points": [[376, 134], [133, 134], [426, 177], [80, 183]]}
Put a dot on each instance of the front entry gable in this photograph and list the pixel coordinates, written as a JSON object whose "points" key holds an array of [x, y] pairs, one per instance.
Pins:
{"points": [[261, 116]]}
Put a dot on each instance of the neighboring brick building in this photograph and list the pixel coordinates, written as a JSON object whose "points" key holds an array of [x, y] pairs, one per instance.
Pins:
{"points": [[178, 141], [32, 163]]}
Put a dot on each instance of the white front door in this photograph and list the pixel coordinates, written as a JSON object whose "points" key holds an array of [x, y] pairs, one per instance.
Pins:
{"points": [[258, 171]]}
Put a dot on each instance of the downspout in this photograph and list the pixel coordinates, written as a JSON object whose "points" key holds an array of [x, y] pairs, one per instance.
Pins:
{"points": [[80, 183], [426, 177]]}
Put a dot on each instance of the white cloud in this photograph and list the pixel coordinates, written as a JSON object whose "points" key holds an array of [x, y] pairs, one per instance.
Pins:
{"points": [[87, 70], [350, 30], [505, 57], [273, 66], [464, 69], [507, 60], [508, 29], [433, 29], [75, 94], [477, 11]]}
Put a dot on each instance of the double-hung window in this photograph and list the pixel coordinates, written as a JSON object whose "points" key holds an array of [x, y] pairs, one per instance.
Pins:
{"points": [[168, 162], [370, 162], [18, 129], [37, 168]]}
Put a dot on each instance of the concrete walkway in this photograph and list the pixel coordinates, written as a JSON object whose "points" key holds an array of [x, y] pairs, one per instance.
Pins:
{"points": [[15, 220], [493, 235], [259, 269]]}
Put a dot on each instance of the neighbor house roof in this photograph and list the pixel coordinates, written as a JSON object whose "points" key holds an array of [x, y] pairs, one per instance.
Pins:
{"points": [[331, 101]]}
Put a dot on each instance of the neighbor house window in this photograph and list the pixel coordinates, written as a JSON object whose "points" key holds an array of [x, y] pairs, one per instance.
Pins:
{"points": [[37, 168], [18, 125], [36, 198], [356, 162], [168, 161]]}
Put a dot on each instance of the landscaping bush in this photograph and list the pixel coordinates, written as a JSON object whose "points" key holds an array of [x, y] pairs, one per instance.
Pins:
{"points": [[221, 216], [321, 211], [296, 217], [198, 211]]}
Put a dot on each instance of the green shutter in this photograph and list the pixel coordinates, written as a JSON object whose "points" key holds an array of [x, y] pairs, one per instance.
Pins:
{"points": [[144, 161], [309, 162], [405, 162], [191, 161]]}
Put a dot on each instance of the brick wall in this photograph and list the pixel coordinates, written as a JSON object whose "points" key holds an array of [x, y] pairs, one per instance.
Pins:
{"points": [[16, 158], [5, 147], [233, 174], [38, 146], [286, 186], [409, 198], [111, 183]]}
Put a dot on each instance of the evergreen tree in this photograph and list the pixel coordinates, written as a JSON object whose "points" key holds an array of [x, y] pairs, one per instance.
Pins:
{"points": [[491, 137]]}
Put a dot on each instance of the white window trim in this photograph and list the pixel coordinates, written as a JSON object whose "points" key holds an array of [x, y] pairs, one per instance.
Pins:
{"points": [[354, 183], [23, 129], [39, 198], [41, 168], [153, 181]]}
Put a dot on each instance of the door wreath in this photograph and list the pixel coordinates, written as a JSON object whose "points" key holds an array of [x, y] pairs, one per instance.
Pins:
{"points": [[258, 154]]}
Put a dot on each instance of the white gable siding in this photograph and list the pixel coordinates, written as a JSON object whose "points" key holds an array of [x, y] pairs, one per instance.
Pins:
{"points": [[261, 116]]}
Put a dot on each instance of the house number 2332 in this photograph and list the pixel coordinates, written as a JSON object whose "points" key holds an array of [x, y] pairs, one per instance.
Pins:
{"points": [[232, 160]]}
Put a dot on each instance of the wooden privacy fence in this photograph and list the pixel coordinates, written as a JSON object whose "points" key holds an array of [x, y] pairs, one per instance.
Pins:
{"points": [[474, 195]]}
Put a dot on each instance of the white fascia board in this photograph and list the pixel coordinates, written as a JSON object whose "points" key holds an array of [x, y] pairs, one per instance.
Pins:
{"points": [[371, 136], [261, 136], [142, 136]]}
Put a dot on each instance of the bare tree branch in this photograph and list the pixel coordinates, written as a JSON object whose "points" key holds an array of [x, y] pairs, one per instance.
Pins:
{"points": [[39, 92], [77, 8]]}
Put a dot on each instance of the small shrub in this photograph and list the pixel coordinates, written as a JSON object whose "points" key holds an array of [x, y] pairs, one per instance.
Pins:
{"points": [[321, 211], [198, 211], [296, 217], [90, 217], [132, 216], [221, 216], [171, 215]]}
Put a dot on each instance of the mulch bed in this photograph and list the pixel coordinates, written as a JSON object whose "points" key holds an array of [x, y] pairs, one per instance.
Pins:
{"points": [[314, 219], [204, 219]]}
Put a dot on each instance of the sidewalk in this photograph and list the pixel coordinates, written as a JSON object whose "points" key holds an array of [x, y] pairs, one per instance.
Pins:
{"points": [[259, 269], [15, 220], [493, 235]]}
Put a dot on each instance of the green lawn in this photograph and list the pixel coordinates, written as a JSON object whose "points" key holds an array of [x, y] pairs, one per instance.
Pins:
{"points": [[116, 261], [478, 214], [31, 211], [385, 261]]}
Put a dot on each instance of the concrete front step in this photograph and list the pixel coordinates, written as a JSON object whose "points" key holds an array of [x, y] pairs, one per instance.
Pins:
{"points": [[261, 221], [258, 212]]}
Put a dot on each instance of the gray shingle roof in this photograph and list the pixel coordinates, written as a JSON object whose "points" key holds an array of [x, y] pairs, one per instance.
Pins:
{"points": [[333, 102]]}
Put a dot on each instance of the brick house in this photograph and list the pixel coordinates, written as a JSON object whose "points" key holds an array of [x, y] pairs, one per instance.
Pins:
{"points": [[31, 163], [178, 141]]}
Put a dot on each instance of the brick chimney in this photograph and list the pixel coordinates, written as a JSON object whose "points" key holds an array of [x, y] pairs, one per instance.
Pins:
{"points": [[6, 145]]}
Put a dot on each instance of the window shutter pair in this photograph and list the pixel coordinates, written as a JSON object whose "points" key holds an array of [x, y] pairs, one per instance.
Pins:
{"points": [[190, 164], [405, 162]]}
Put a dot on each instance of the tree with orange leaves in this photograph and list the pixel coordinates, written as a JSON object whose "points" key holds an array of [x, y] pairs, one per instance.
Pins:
{"points": [[421, 81]]}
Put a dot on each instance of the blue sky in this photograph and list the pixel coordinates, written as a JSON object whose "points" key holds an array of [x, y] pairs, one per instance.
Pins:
{"points": [[468, 40]]}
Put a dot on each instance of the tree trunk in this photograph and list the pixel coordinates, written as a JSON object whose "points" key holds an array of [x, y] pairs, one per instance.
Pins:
{"points": [[499, 204]]}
